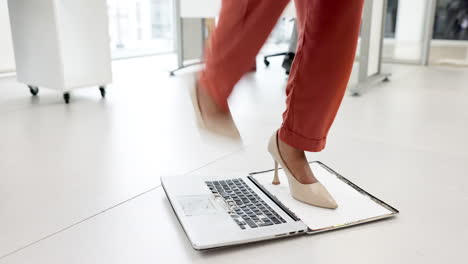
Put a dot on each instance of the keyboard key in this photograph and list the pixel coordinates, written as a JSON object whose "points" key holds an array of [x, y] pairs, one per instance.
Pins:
{"points": [[276, 221], [247, 207], [251, 223]]}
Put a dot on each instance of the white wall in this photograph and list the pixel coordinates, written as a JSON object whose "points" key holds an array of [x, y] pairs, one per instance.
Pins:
{"points": [[7, 62]]}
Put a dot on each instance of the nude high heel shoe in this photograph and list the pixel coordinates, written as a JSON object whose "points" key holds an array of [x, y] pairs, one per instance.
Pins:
{"points": [[313, 194], [223, 126]]}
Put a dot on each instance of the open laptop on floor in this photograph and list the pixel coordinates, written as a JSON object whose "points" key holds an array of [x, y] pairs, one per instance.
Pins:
{"points": [[217, 212]]}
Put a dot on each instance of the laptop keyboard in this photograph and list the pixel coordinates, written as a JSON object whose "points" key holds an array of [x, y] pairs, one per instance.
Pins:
{"points": [[246, 207]]}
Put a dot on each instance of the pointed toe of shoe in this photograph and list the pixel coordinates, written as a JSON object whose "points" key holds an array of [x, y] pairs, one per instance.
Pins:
{"points": [[330, 203], [224, 127], [316, 195]]}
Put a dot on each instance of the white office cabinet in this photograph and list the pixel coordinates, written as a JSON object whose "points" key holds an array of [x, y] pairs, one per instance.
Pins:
{"points": [[7, 61], [61, 44]]}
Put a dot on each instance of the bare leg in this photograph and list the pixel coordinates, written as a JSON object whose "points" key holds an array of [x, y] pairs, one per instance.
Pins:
{"points": [[297, 163]]}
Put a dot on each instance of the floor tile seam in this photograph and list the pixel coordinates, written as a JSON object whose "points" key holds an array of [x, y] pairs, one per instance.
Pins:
{"points": [[77, 223], [110, 208]]}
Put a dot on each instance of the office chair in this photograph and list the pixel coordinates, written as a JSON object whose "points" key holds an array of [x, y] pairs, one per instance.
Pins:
{"points": [[289, 55]]}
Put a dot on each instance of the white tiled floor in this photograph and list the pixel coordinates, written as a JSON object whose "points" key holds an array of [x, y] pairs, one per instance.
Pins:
{"points": [[79, 183]]}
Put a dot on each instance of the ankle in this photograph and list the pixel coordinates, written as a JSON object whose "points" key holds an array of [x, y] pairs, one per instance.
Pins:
{"points": [[289, 150], [297, 163]]}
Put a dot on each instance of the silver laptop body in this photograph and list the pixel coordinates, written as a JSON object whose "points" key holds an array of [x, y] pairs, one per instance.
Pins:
{"points": [[211, 220], [211, 217]]}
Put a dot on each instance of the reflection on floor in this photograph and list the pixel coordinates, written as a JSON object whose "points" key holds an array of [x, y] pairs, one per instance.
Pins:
{"points": [[80, 182]]}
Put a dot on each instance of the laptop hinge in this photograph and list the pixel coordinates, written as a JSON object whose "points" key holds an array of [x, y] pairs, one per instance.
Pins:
{"points": [[274, 199]]}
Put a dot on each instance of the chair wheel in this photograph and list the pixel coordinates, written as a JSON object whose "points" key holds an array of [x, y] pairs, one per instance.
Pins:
{"points": [[102, 89], [267, 63], [171, 73], [66, 97], [33, 89]]}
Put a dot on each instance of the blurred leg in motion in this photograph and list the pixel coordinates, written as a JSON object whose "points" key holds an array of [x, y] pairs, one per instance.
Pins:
{"points": [[328, 33], [243, 27]]}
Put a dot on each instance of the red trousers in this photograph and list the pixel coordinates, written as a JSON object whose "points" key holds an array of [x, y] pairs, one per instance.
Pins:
{"points": [[328, 33]]}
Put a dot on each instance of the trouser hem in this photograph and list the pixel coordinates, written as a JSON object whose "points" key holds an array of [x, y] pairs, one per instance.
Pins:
{"points": [[300, 142]]}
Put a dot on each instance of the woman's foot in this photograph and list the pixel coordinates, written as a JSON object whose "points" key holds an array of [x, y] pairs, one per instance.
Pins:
{"points": [[304, 187], [208, 107], [297, 163], [211, 117]]}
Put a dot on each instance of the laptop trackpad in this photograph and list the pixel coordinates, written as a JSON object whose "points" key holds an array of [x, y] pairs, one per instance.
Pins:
{"points": [[196, 205]]}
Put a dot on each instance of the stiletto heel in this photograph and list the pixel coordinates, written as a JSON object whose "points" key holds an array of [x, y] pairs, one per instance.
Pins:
{"points": [[276, 180], [313, 194]]}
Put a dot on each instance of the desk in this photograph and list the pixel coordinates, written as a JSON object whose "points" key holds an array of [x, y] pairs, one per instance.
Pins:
{"points": [[211, 8], [190, 19], [199, 8]]}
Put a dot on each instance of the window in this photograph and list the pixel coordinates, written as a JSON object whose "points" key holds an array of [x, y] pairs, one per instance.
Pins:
{"points": [[451, 20], [141, 27], [449, 45], [391, 18]]}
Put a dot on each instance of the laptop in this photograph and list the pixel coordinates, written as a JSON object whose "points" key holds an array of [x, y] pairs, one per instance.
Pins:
{"points": [[218, 212]]}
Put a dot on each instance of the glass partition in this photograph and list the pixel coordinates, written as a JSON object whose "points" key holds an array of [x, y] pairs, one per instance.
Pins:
{"points": [[449, 45], [404, 30]]}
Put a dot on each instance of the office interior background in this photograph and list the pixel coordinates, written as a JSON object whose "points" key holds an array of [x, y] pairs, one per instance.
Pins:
{"points": [[141, 28], [80, 183]]}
